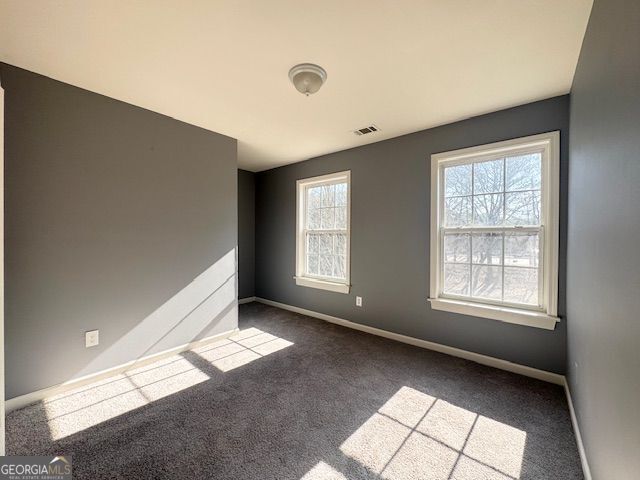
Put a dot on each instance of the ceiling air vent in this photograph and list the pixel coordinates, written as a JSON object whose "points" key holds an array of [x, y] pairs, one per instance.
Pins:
{"points": [[366, 130]]}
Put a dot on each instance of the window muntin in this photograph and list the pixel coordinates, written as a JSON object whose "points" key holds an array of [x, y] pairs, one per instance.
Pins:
{"points": [[494, 240], [323, 229]]}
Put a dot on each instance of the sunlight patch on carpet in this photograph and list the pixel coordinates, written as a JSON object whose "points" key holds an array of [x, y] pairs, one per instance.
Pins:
{"points": [[414, 435], [90, 405]]}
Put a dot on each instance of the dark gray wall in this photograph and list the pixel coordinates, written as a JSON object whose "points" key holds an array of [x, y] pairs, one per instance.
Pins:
{"points": [[603, 295], [118, 219], [246, 233], [390, 237]]}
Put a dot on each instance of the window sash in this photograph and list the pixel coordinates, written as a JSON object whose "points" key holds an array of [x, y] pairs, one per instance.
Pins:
{"points": [[320, 231], [306, 255], [505, 231], [493, 229]]}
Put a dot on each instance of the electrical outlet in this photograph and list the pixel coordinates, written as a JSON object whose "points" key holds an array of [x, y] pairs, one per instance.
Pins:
{"points": [[91, 339], [358, 301]]}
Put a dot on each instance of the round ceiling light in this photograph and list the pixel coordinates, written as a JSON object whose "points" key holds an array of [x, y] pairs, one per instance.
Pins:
{"points": [[307, 77]]}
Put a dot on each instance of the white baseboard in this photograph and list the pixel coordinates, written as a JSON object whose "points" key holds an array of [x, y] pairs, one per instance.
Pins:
{"points": [[576, 429], [246, 300], [33, 397], [438, 347]]}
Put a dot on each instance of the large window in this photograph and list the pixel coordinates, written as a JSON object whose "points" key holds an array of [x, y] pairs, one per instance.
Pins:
{"points": [[323, 220], [495, 231]]}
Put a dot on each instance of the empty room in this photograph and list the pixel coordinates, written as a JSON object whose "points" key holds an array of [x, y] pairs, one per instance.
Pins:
{"points": [[336, 240]]}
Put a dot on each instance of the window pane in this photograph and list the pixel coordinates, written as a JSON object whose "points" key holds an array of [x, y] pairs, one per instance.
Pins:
{"points": [[314, 197], [456, 248], [524, 172], [313, 219], [326, 243], [326, 265], [312, 265], [339, 266], [328, 195], [340, 244], [487, 248], [341, 194], [488, 177], [488, 209], [341, 218], [457, 211], [313, 243], [487, 282], [456, 279], [457, 180], [327, 218], [521, 285], [522, 208], [522, 249]]}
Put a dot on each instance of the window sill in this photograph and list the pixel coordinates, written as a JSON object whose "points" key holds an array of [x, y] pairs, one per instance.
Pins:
{"points": [[503, 314], [322, 284]]}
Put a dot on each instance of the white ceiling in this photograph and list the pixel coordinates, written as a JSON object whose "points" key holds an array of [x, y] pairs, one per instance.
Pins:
{"points": [[404, 65]]}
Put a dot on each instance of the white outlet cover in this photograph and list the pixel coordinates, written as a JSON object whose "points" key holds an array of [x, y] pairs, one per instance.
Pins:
{"points": [[91, 338], [358, 301]]}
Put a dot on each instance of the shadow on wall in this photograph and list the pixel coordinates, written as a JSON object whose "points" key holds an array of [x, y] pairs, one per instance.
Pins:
{"points": [[205, 307], [117, 219], [266, 404]]}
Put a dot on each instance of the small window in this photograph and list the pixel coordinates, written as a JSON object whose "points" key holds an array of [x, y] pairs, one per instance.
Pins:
{"points": [[323, 225], [494, 231]]}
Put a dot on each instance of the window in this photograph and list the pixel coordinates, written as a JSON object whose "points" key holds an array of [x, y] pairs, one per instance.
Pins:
{"points": [[494, 230], [323, 224]]}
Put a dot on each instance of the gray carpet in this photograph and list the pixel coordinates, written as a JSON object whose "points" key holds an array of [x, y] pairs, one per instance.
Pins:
{"points": [[296, 398]]}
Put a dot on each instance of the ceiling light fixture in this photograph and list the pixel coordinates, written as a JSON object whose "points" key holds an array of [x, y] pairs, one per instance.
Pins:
{"points": [[307, 77]]}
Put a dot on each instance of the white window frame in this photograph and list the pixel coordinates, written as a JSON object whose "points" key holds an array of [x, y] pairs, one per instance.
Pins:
{"points": [[548, 144], [301, 278]]}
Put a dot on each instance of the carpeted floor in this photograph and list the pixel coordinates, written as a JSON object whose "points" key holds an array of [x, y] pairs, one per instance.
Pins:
{"points": [[292, 397]]}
